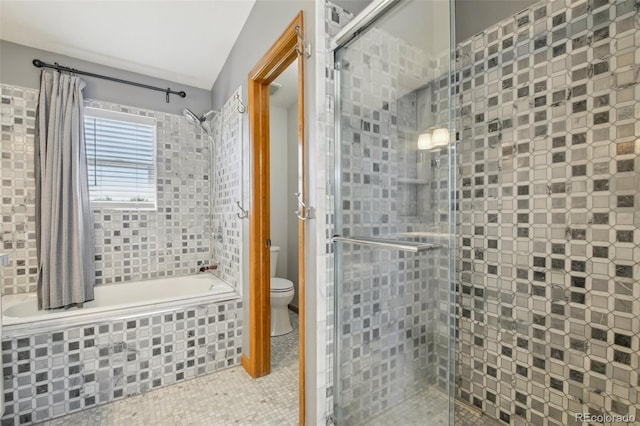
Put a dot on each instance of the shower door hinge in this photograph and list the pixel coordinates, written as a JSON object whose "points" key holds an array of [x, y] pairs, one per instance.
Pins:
{"points": [[267, 243]]}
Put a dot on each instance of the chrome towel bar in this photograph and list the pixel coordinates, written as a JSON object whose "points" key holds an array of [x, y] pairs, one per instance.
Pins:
{"points": [[411, 246]]}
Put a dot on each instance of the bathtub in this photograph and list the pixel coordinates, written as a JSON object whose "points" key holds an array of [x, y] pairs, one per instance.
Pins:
{"points": [[20, 313], [134, 337]]}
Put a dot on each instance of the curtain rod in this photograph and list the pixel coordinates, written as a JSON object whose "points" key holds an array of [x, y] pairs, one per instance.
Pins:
{"points": [[38, 63]]}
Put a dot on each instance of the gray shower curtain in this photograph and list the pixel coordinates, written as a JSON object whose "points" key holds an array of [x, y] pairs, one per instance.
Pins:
{"points": [[64, 229]]}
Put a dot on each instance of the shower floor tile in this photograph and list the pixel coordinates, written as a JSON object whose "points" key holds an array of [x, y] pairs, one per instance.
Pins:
{"points": [[228, 397], [429, 408]]}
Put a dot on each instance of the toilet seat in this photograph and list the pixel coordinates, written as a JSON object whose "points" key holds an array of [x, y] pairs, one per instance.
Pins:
{"points": [[280, 285]]}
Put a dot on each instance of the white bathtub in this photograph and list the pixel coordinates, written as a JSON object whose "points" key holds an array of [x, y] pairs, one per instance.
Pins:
{"points": [[20, 313]]}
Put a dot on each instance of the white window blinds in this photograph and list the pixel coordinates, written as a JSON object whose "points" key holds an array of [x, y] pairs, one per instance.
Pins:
{"points": [[121, 157]]}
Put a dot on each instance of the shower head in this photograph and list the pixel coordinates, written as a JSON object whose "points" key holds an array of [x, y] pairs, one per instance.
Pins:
{"points": [[194, 119], [191, 116]]}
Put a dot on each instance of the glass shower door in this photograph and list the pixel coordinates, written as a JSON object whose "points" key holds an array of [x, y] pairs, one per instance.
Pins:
{"points": [[394, 221]]}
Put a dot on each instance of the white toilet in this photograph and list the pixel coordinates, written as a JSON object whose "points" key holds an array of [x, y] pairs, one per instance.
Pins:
{"points": [[281, 295]]}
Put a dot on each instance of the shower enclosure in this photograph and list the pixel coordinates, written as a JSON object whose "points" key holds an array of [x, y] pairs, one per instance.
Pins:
{"points": [[394, 216]]}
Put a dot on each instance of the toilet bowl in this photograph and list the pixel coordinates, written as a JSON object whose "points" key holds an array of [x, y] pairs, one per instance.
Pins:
{"points": [[281, 295]]}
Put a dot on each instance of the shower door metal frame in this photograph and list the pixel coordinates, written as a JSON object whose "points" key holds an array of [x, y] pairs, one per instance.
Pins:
{"points": [[360, 23], [364, 19], [452, 212], [337, 226]]}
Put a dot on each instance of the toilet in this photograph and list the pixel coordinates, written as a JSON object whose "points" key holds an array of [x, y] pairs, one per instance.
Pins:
{"points": [[281, 295]]}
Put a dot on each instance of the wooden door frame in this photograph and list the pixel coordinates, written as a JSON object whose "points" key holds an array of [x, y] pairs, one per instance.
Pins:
{"points": [[282, 53]]}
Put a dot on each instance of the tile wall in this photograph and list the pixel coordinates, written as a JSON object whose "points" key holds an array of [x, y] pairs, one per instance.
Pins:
{"points": [[549, 301], [548, 311], [226, 241], [130, 245], [54, 373], [18, 107]]}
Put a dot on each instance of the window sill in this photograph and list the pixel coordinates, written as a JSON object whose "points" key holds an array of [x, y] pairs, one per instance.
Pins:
{"points": [[111, 205]]}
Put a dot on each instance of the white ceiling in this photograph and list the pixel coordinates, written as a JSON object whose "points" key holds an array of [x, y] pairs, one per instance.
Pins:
{"points": [[179, 40]]}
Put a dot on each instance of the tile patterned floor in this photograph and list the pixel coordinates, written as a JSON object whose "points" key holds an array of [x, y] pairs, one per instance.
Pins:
{"points": [[466, 416], [229, 397]]}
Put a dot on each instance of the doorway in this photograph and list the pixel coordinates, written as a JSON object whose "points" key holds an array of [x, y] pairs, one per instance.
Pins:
{"points": [[283, 53]]}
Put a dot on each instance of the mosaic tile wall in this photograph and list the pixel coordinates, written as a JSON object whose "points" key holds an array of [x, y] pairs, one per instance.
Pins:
{"points": [[549, 302], [389, 319], [18, 227], [130, 245], [546, 321], [51, 374], [226, 242]]}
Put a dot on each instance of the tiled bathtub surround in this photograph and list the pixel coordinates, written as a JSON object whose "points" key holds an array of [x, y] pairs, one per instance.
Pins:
{"points": [[226, 160], [549, 301], [50, 374], [130, 245], [18, 226]]}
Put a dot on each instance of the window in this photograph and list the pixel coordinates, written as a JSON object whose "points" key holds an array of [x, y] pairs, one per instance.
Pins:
{"points": [[121, 156]]}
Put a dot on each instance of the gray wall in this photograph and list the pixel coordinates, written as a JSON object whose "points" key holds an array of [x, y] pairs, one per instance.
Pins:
{"points": [[267, 21], [16, 69], [292, 202], [283, 151], [473, 16], [279, 214]]}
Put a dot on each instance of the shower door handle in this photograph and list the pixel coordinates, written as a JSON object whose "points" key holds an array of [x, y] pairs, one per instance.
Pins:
{"points": [[410, 246], [303, 211]]}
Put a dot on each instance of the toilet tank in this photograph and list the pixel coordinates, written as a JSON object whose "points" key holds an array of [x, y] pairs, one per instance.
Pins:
{"points": [[274, 259]]}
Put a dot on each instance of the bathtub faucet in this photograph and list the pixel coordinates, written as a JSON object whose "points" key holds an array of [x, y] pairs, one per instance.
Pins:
{"points": [[209, 268]]}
